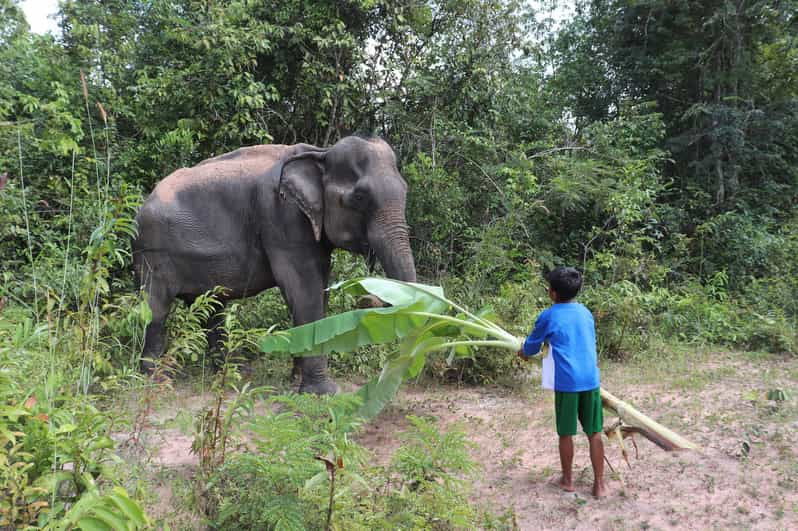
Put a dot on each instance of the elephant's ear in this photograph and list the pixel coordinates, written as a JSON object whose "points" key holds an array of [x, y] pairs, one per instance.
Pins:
{"points": [[301, 179]]}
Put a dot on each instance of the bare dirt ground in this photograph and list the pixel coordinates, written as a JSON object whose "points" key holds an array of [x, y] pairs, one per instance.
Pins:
{"points": [[745, 477]]}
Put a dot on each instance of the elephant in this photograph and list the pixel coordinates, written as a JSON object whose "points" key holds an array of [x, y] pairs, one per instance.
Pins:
{"points": [[270, 216]]}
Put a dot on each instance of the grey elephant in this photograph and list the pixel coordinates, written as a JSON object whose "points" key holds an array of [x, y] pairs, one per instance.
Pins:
{"points": [[266, 216]]}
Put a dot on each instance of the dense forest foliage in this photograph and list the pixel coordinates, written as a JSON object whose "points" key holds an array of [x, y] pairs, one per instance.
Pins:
{"points": [[653, 145]]}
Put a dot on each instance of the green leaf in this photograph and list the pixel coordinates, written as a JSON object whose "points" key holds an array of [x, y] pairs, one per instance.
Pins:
{"points": [[350, 330], [145, 313], [319, 478], [418, 352], [13, 413], [380, 390], [113, 520], [131, 509], [462, 350], [418, 317], [102, 443], [66, 428], [90, 523], [52, 480], [777, 395], [417, 364], [397, 293], [8, 434], [87, 480]]}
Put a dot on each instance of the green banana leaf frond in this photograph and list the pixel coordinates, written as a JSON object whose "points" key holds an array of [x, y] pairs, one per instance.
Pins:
{"points": [[348, 331]]}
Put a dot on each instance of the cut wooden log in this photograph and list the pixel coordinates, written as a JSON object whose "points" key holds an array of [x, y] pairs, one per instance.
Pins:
{"points": [[636, 422]]}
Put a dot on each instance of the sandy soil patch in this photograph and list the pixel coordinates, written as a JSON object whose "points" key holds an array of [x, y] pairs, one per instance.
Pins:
{"points": [[745, 477]]}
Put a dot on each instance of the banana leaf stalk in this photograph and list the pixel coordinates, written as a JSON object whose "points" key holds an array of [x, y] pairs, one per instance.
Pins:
{"points": [[419, 318], [635, 422]]}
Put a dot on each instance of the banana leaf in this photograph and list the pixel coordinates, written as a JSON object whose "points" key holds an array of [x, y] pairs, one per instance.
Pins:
{"points": [[348, 331], [417, 319]]}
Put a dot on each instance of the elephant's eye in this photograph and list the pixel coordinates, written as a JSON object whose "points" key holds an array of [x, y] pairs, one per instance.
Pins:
{"points": [[358, 197]]}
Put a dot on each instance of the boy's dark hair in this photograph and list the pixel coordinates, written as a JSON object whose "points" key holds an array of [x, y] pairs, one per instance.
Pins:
{"points": [[566, 281]]}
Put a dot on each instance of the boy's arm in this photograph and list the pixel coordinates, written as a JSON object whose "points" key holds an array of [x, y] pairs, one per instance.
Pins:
{"points": [[538, 336]]}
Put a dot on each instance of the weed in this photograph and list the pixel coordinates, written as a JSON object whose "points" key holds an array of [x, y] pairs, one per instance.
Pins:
{"points": [[213, 425], [304, 455], [282, 483]]}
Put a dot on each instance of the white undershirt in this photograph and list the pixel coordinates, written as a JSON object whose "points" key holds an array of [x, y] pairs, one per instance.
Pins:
{"points": [[547, 379]]}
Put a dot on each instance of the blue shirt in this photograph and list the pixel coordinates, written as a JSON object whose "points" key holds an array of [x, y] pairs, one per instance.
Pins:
{"points": [[569, 330]]}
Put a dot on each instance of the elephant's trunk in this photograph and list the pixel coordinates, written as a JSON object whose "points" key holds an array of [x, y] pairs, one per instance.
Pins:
{"points": [[389, 238]]}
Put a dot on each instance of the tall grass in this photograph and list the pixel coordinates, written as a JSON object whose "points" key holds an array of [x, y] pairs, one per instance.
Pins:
{"points": [[50, 352], [27, 226]]}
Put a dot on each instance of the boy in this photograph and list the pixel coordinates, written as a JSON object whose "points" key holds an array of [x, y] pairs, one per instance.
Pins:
{"points": [[568, 328]]}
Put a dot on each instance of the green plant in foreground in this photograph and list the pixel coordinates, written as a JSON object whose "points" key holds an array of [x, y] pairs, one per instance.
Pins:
{"points": [[53, 456], [214, 425], [112, 511], [418, 317], [281, 481]]}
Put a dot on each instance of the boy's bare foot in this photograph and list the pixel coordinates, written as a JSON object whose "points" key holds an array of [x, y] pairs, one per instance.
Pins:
{"points": [[600, 490], [567, 486]]}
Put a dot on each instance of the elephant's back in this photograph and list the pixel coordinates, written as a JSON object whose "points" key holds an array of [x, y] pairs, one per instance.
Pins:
{"points": [[260, 154], [231, 169]]}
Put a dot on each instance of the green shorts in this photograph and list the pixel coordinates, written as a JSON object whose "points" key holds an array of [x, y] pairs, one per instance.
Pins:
{"points": [[585, 405]]}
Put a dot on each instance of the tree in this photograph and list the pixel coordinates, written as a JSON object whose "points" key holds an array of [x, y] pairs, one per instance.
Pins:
{"points": [[703, 64], [193, 79]]}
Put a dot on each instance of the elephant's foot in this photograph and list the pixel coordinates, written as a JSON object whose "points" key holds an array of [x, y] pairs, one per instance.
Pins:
{"points": [[296, 372], [147, 366], [158, 371], [370, 301], [321, 387], [314, 376]]}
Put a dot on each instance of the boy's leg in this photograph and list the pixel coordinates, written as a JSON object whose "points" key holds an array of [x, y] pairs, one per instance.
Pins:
{"points": [[597, 460], [591, 416], [566, 407], [566, 461]]}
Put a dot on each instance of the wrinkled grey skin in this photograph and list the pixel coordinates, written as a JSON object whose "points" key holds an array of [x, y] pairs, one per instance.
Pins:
{"points": [[266, 216]]}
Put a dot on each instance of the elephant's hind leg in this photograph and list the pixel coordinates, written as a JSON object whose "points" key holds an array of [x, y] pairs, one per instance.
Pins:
{"points": [[159, 297], [215, 337]]}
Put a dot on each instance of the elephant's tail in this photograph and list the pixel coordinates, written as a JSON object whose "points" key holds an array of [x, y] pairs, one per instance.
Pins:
{"points": [[142, 266], [138, 259]]}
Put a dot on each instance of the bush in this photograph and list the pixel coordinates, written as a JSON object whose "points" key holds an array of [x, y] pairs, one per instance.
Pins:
{"points": [[514, 308], [623, 318], [627, 318], [425, 486], [284, 483], [55, 445]]}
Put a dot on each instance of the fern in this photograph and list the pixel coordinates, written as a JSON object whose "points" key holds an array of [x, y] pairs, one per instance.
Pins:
{"points": [[188, 335], [429, 456], [282, 484], [284, 513]]}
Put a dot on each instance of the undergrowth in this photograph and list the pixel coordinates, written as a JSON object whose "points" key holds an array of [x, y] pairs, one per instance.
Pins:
{"points": [[303, 444]]}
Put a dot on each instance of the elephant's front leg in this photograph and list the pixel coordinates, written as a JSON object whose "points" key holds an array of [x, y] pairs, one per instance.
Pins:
{"points": [[302, 282]]}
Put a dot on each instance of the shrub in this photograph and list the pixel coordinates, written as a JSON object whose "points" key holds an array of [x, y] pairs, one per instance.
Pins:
{"points": [[622, 315], [425, 486], [55, 450], [283, 484]]}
